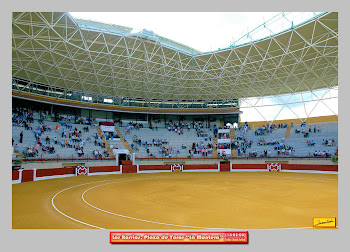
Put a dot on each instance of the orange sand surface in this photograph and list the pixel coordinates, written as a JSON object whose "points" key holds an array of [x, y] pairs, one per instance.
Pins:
{"points": [[229, 200]]}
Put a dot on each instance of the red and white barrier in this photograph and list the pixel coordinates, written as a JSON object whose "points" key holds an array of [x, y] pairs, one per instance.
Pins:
{"points": [[306, 168], [153, 168], [42, 174], [105, 170], [274, 167], [17, 176], [177, 167], [247, 167], [81, 170], [201, 168]]}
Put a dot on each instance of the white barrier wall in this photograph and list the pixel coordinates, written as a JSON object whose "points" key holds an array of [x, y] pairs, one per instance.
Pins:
{"points": [[107, 128]]}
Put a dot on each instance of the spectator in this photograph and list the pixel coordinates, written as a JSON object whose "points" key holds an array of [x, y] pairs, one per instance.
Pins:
{"points": [[80, 153]]}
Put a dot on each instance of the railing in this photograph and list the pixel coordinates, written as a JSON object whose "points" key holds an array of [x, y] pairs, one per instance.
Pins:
{"points": [[57, 158], [233, 158], [26, 87], [88, 158]]}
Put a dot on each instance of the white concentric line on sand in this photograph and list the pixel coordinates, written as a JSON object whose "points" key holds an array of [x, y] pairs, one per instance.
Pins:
{"points": [[66, 215], [178, 225]]}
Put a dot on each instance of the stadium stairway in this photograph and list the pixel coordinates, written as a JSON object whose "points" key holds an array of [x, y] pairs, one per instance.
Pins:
{"points": [[125, 143], [18, 155], [51, 117], [108, 147], [287, 132], [232, 136], [215, 153]]}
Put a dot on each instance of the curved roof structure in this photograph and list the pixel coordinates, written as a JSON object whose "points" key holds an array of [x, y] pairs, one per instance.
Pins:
{"points": [[60, 52]]}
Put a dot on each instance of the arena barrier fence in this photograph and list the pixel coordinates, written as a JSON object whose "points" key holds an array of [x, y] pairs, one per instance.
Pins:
{"points": [[21, 175], [57, 159]]}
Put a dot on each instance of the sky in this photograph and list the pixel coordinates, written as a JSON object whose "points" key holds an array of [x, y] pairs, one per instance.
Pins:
{"points": [[272, 108], [204, 31]]}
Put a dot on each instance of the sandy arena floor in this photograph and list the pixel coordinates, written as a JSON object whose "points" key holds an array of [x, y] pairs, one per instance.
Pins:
{"points": [[177, 200]]}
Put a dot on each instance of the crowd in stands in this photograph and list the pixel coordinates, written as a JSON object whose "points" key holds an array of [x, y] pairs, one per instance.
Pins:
{"points": [[70, 137], [22, 117], [178, 127], [329, 142], [166, 150], [284, 150], [86, 129], [128, 130], [153, 142], [197, 148], [98, 154], [136, 126], [264, 153], [223, 146], [32, 151], [322, 153], [137, 142], [310, 143], [224, 136], [263, 130], [306, 132], [241, 144], [244, 127], [261, 141], [69, 119]]}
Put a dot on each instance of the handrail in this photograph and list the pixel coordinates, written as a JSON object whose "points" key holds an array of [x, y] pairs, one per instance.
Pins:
{"points": [[164, 158]]}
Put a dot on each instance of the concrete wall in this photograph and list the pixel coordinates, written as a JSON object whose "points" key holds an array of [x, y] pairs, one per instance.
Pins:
{"points": [[297, 121], [97, 114], [236, 161], [42, 165], [85, 112], [46, 165]]}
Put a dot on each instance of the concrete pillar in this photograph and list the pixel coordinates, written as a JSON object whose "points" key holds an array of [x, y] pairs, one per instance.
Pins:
{"points": [[34, 174], [117, 159], [20, 176], [133, 158]]}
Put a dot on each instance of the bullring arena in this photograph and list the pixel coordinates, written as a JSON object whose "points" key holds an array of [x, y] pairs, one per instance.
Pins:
{"points": [[93, 148], [220, 200]]}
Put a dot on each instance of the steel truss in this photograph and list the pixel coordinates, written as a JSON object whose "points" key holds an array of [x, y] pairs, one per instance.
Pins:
{"points": [[52, 49]]}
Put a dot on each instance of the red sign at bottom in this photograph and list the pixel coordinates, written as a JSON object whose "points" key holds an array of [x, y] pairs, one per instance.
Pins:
{"points": [[179, 237]]}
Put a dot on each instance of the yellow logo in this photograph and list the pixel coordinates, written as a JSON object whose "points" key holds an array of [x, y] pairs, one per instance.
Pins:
{"points": [[324, 222]]}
